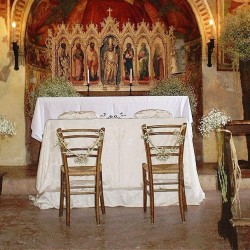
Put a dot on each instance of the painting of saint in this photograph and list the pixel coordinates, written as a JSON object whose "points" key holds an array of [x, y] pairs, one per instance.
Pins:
{"points": [[143, 58], [110, 63], [128, 57], [158, 63], [92, 62], [78, 60], [64, 62]]}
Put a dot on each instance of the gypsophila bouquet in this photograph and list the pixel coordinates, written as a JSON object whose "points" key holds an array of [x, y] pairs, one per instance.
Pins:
{"points": [[214, 120], [235, 34], [50, 87], [173, 86], [7, 128]]}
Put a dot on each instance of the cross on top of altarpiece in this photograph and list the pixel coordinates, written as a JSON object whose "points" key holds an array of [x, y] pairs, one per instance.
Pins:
{"points": [[109, 11]]}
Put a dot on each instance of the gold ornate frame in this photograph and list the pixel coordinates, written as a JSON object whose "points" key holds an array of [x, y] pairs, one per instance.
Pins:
{"points": [[110, 28]]}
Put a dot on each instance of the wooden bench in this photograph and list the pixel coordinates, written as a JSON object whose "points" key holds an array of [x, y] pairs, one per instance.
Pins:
{"points": [[2, 174], [241, 128], [232, 225]]}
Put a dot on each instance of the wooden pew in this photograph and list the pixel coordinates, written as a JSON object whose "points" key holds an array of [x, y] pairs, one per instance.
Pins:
{"points": [[241, 128], [232, 225]]}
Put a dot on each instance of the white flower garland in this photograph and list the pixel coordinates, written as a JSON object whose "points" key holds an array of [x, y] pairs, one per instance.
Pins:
{"points": [[162, 153], [82, 158], [7, 128]]}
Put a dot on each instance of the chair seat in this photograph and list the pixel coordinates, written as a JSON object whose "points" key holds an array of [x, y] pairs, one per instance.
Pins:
{"points": [[163, 168], [80, 170]]}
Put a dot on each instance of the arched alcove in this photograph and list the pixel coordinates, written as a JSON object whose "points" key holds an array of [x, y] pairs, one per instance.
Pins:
{"points": [[200, 9]]}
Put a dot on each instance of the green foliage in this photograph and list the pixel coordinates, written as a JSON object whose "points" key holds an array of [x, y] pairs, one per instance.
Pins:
{"points": [[50, 87], [235, 35], [173, 86]]}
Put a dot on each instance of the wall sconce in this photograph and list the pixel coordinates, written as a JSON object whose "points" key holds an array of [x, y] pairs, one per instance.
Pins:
{"points": [[15, 47], [210, 47], [210, 44]]}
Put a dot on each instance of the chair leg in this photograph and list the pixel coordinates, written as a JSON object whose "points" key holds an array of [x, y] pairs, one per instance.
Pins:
{"points": [[102, 197], [181, 201], [97, 208], [184, 197], [67, 204], [144, 190], [151, 198], [62, 194]]}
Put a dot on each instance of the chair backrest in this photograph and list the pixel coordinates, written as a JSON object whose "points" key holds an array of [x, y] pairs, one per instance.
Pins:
{"points": [[81, 147], [164, 142]]}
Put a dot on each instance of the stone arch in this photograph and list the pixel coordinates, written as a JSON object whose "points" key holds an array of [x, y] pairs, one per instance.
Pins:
{"points": [[21, 8]]}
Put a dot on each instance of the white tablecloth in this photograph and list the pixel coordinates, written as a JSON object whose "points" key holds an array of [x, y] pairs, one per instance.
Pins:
{"points": [[123, 155], [122, 107]]}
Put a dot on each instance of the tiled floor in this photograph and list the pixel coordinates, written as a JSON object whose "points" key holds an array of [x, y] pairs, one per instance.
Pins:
{"points": [[24, 226]]}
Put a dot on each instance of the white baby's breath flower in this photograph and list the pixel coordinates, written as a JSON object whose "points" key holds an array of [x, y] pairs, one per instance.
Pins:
{"points": [[50, 87], [7, 128], [173, 86], [214, 120]]}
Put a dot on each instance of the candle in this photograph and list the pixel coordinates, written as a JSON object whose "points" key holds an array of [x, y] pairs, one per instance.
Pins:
{"points": [[211, 22], [88, 76], [131, 78], [13, 31]]}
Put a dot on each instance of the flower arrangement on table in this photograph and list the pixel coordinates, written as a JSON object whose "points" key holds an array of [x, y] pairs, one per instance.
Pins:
{"points": [[173, 86], [50, 87], [7, 128], [214, 121]]}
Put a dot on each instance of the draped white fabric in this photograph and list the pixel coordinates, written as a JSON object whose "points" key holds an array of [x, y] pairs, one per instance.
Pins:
{"points": [[106, 107], [123, 155]]}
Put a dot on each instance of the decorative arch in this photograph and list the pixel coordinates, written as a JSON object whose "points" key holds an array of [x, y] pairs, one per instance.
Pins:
{"points": [[21, 8]]}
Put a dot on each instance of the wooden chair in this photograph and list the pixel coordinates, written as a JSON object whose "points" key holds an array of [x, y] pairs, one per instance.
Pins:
{"points": [[163, 145], [232, 225], [81, 151]]}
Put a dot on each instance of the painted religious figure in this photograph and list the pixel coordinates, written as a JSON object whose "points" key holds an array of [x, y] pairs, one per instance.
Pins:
{"points": [[92, 62], [78, 57], [128, 57], [64, 61], [110, 63], [143, 58], [158, 63]]}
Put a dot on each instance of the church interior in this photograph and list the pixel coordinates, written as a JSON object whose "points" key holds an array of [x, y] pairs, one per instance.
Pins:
{"points": [[115, 59]]}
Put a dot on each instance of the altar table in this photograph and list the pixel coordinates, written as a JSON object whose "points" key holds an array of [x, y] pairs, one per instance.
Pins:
{"points": [[123, 155], [106, 107]]}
